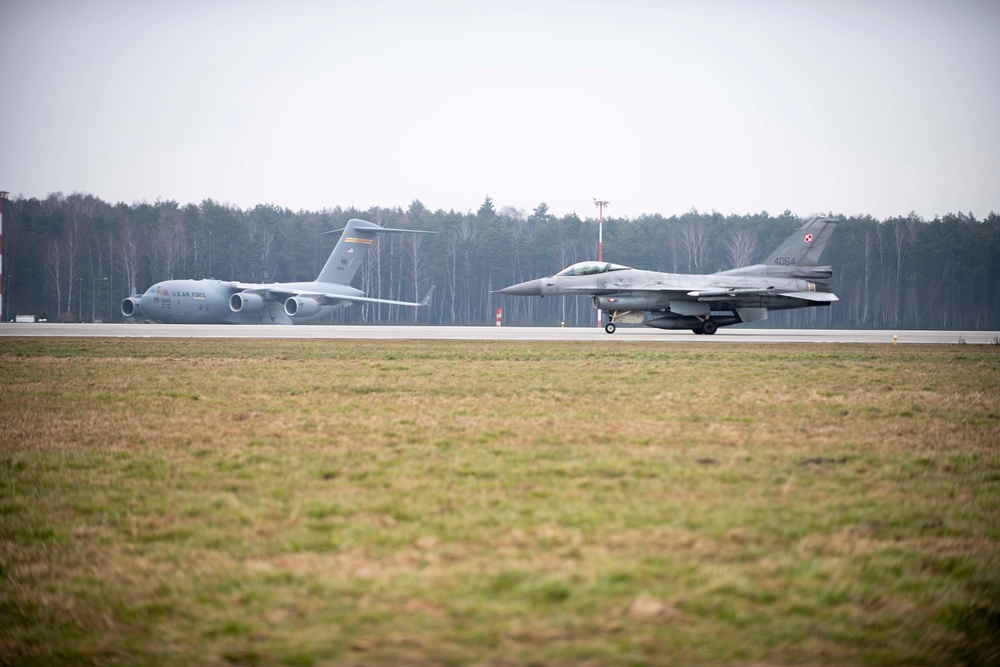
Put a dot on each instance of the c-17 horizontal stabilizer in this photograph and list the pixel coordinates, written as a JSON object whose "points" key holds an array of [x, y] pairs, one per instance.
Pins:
{"points": [[357, 238]]}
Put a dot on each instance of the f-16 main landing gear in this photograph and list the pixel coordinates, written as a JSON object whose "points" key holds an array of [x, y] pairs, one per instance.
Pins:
{"points": [[609, 327], [708, 327]]}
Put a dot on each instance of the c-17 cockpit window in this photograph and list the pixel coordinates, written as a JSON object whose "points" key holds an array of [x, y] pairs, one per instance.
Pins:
{"points": [[590, 268]]}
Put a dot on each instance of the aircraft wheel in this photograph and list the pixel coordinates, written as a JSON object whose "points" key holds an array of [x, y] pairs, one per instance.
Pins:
{"points": [[609, 327], [698, 330], [709, 327]]}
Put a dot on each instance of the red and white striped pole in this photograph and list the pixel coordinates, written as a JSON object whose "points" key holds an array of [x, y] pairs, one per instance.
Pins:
{"points": [[499, 315], [600, 241], [2, 196]]}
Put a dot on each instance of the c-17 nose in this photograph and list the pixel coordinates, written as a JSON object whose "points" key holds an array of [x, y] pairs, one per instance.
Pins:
{"points": [[146, 304], [528, 288]]}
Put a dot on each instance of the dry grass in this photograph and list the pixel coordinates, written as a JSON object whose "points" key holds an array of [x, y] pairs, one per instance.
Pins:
{"points": [[300, 502]]}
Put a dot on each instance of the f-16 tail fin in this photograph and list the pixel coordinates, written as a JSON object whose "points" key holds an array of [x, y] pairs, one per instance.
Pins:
{"points": [[798, 256], [354, 243], [805, 245]]}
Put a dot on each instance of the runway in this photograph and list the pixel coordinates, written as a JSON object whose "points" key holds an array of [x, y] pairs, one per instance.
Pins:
{"points": [[495, 334]]}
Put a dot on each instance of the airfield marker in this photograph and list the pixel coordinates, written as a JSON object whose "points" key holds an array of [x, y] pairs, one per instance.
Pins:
{"points": [[2, 196]]}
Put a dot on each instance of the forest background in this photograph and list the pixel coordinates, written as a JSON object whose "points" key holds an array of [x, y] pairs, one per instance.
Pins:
{"points": [[74, 258]]}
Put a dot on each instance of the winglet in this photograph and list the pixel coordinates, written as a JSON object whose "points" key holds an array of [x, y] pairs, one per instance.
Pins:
{"points": [[427, 299]]}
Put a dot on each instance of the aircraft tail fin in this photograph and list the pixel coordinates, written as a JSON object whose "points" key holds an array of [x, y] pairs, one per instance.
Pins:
{"points": [[798, 256], [805, 246], [357, 238]]}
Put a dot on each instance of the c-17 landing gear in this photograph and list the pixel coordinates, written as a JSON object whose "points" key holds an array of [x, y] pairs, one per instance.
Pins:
{"points": [[609, 327]]}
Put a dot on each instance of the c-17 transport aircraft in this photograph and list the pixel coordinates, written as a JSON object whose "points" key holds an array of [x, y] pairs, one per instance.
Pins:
{"points": [[221, 302], [789, 278]]}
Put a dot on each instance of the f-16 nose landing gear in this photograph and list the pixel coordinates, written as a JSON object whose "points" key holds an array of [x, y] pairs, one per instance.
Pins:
{"points": [[609, 327]]}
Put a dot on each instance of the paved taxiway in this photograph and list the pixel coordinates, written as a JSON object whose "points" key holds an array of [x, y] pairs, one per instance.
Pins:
{"points": [[552, 334]]}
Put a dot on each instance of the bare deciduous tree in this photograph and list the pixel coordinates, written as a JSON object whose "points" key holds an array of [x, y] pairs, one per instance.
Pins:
{"points": [[127, 253], [694, 244], [51, 258], [418, 264], [870, 243], [741, 246], [168, 242]]}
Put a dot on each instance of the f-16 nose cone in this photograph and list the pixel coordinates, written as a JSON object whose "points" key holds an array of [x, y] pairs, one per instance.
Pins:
{"points": [[529, 288]]}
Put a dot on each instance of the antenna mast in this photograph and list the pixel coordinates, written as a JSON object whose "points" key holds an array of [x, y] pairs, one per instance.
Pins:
{"points": [[600, 242], [600, 229]]}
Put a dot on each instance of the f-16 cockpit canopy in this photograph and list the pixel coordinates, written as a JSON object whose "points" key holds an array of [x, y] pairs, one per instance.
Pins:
{"points": [[590, 268]]}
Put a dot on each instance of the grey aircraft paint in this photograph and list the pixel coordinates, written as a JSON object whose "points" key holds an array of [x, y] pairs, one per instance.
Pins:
{"points": [[221, 302], [790, 277]]}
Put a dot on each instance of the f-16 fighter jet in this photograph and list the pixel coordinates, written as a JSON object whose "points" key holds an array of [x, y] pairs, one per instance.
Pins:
{"points": [[789, 278]]}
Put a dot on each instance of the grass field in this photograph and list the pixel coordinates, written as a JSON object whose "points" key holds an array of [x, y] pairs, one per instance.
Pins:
{"points": [[178, 502]]}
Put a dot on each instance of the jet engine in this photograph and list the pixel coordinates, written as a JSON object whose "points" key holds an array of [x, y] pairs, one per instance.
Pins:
{"points": [[297, 306], [246, 302], [130, 306]]}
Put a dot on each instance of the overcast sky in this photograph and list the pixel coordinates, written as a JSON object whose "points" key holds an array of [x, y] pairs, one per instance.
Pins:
{"points": [[876, 107]]}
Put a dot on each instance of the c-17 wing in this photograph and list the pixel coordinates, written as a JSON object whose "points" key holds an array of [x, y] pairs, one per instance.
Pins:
{"points": [[282, 292], [337, 298]]}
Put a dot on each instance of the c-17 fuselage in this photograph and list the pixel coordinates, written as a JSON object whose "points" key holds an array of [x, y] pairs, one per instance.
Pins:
{"points": [[229, 302], [223, 302]]}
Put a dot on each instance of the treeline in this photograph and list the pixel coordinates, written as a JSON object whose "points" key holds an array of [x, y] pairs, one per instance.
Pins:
{"points": [[75, 257]]}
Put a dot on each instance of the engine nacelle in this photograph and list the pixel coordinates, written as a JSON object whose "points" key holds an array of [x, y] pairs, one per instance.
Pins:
{"points": [[130, 307], [299, 306], [246, 302], [629, 302]]}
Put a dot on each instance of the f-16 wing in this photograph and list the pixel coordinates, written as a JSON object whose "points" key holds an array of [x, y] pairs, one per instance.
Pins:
{"points": [[722, 294], [727, 293], [822, 297]]}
